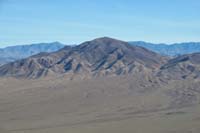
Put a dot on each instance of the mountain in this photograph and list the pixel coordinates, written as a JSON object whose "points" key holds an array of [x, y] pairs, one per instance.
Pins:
{"points": [[170, 49], [103, 85], [182, 67], [4, 60], [13, 53], [99, 57]]}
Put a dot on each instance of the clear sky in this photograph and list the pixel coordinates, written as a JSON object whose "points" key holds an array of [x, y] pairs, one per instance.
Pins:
{"points": [[75, 21]]}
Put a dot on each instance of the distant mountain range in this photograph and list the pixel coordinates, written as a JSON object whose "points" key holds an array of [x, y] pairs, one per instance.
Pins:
{"points": [[170, 49], [103, 57], [99, 57], [13, 53]]}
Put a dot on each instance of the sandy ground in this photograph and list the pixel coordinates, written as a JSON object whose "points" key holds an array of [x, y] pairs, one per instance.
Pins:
{"points": [[108, 105]]}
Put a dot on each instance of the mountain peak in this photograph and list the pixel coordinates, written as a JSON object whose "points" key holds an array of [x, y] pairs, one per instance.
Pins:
{"points": [[99, 57], [106, 39], [104, 43]]}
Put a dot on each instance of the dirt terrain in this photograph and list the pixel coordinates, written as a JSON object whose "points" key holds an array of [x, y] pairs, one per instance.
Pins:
{"points": [[111, 105]]}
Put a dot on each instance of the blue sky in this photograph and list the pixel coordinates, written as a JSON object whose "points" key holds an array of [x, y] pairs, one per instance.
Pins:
{"points": [[75, 21]]}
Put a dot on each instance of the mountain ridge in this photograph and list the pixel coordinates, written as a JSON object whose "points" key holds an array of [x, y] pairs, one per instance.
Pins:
{"points": [[98, 57], [104, 57], [12, 53], [174, 49]]}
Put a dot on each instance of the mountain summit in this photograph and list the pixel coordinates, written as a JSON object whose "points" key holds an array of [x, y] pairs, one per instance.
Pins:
{"points": [[99, 57]]}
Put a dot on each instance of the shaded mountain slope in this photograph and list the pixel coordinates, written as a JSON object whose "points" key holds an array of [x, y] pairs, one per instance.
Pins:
{"points": [[182, 67], [99, 57]]}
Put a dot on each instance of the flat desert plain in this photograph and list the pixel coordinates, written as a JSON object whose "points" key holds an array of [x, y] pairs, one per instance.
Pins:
{"points": [[104, 105]]}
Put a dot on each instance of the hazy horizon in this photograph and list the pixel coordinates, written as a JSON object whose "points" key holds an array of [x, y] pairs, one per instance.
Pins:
{"points": [[36, 43], [73, 22]]}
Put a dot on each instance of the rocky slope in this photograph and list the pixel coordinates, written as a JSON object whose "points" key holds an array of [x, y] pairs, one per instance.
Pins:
{"points": [[182, 67], [104, 57], [99, 57]]}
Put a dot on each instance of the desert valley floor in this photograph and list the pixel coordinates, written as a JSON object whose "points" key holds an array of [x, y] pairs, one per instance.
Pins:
{"points": [[103, 105]]}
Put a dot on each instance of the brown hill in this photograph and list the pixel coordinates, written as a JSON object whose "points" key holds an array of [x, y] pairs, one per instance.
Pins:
{"points": [[182, 67], [99, 57]]}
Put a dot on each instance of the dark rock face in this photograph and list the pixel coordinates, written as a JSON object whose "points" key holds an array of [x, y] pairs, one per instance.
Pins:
{"points": [[99, 57]]}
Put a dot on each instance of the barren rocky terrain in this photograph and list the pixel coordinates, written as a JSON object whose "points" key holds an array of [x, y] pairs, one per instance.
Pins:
{"points": [[103, 85]]}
